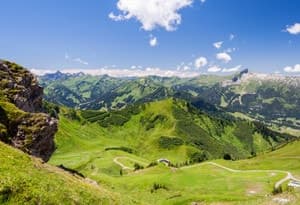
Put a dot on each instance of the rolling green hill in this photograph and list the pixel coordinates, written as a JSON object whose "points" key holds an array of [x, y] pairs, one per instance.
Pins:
{"points": [[108, 146], [165, 128]]}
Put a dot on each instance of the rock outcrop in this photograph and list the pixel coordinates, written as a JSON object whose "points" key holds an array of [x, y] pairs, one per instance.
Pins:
{"points": [[20, 87], [22, 123]]}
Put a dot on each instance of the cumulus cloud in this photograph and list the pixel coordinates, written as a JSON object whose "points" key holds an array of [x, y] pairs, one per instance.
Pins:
{"points": [[214, 69], [233, 69], [184, 67], [292, 69], [200, 62], [186, 72], [218, 45], [293, 29], [225, 57], [153, 41], [151, 13]]}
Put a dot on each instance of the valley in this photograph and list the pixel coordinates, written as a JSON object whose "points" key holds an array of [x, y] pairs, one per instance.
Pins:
{"points": [[162, 148], [111, 159], [150, 102]]}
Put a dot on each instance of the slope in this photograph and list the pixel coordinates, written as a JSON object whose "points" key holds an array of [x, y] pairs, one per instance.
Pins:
{"points": [[107, 146], [26, 180], [170, 128]]}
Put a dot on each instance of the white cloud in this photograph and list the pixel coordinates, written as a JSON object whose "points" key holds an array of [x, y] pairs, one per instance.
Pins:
{"points": [[77, 60], [291, 69], [294, 29], [41, 71], [119, 72], [151, 13], [153, 41], [200, 62], [277, 72], [185, 68], [202, 1], [224, 57], [214, 69], [114, 17], [231, 37], [218, 45], [233, 69], [230, 50]]}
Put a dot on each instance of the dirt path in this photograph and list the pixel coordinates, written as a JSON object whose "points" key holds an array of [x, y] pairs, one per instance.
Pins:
{"points": [[289, 175], [116, 160], [120, 164]]}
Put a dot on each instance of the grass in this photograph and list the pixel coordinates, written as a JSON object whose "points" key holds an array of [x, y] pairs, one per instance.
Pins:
{"points": [[83, 146], [286, 158], [25, 180]]}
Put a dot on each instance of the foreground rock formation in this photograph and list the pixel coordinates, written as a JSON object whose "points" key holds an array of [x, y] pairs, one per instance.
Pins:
{"points": [[22, 123]]}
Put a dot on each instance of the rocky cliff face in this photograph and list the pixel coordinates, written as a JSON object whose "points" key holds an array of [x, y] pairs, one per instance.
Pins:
{"points": [[22, 124], [21, 87]]}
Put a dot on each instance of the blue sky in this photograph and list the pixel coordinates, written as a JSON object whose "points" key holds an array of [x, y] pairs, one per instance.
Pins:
{"points": [[93, 34]]}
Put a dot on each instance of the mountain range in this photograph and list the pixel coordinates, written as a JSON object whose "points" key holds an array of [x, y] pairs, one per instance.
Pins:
{"points": [[272, 99]]}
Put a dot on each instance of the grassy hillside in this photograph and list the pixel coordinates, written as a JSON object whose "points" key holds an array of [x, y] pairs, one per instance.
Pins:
{"points": [[163, 129], [286, 158], [96, 145], [26, 180]]}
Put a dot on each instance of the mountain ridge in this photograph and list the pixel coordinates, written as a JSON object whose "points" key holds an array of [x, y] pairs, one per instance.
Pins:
{"points": [[273, 100]]}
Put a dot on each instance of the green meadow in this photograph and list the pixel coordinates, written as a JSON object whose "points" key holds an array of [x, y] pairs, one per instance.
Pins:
{"points": [[109, 156]]}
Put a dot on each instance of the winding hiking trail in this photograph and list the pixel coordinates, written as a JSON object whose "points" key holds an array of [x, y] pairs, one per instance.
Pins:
{"points": [[289, 175], [116, 160]]}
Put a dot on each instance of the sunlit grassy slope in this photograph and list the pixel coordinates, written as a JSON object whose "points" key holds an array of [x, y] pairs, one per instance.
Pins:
{"points": [[168, 128], [26, 180], [83, 146], [286, 158]]}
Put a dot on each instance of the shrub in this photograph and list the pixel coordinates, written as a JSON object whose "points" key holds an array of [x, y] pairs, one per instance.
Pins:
{"points": [[198, 157], [51, 109], [5, 193], [152, 164], [137, 166], [72, 115], [169, 142], [156, 187], [150, 122], [277, 190], [227, 157], [125, 149]]}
